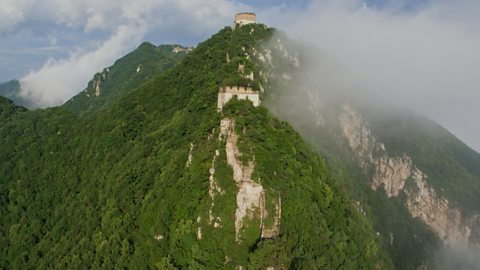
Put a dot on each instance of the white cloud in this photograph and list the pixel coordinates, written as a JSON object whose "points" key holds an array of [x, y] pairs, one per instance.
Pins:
{"points": [[426, 59], [58, 80], [125, 21], [94, 15], [11, 14]]}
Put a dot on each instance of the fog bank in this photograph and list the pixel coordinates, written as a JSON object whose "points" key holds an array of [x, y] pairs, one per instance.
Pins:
{"points": [[426, 58]]}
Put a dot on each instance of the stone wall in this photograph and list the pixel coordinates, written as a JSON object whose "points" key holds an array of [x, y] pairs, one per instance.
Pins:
{"points": [[237, 90], [224, 97], [244, 18]]}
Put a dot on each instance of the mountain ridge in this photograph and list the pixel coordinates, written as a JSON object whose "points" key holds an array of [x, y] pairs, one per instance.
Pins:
{"points": [[163, 175], [11, 90], [105, 86], [128, 186], [116, 80]]}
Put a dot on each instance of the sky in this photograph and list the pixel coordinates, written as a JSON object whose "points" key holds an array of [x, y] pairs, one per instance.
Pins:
{"points": [[423, 54]]}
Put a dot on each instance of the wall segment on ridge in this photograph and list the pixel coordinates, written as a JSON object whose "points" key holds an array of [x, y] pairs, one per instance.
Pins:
{"points": [[244, 18], [242, 93]]}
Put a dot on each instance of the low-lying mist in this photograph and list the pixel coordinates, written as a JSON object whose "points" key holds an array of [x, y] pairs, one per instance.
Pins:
{"points": [[458, 258], [424, 58], [323, 82]]}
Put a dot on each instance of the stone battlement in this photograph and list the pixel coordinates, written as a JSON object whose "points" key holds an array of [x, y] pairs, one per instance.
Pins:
{"points": [[238, 90], [244, 18], [242, 93]]}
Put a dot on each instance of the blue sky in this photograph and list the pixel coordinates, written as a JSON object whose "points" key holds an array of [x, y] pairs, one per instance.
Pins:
{"points": [[423, 54], [27, 45]]}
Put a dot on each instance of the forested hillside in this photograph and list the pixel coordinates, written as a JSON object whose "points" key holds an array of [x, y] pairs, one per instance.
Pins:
{"points": [[146, 182], [125, 75]]}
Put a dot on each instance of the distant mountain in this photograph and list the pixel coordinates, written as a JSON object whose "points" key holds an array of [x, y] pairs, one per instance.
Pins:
{"points": [[11, 90], [125, 75], [8, 109]]}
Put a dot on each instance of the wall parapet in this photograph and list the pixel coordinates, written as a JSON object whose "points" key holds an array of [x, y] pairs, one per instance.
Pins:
{"points": [[241, 92], [238, 90]]}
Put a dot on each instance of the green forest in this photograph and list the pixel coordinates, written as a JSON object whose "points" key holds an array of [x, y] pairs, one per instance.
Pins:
{"points": [[104, 185]]}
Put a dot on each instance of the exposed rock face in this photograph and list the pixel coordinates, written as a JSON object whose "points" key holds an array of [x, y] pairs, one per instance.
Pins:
{"points": [[199, 229], [392, 173], [214, 190], [190, 152], [250, 197], [435, 211], [241, 68], [251, 204], [97, 88], [358, 135], [265, 57], [178, 49], [389, 172], [98, 81]]}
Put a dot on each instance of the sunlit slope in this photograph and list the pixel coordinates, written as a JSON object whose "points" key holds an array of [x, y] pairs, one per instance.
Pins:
{"points": [[125, 75], [149, 181]]}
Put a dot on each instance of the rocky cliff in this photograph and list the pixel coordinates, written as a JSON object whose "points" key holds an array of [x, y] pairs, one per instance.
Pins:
{"points": [[400, 176]]}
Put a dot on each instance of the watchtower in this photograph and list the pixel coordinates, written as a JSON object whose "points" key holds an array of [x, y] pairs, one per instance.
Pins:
{"points": [[242, 93], [244, 18]]}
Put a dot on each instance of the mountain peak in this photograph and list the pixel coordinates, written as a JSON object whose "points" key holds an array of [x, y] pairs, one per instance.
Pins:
{"points": [[11, 90], [178, 161], [125, 75], [160, 178]]}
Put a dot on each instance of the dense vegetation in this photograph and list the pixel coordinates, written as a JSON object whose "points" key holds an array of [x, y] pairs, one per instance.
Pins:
{"points": [[408, 241], [125, 75], [303, 180], [313, 109], [111, 189]]}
